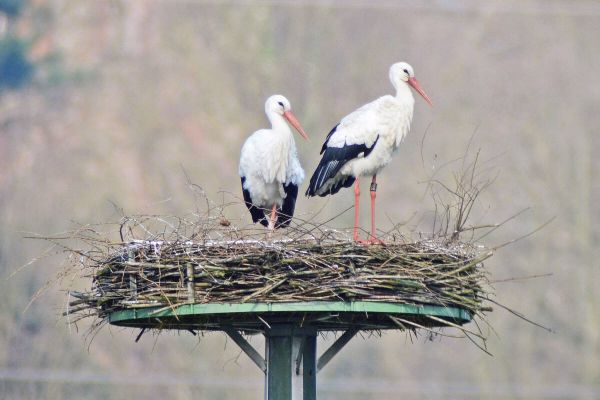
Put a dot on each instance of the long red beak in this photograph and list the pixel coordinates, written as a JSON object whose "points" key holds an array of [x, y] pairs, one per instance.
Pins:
{"points": [[417, 86], [295, 123]]}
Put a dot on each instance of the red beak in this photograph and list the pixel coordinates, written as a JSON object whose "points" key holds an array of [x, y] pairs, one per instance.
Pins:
{"points": [[417, 86], [295, 123]]}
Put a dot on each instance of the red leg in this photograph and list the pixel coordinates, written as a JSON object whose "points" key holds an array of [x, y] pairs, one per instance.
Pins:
{"points": [[373, 190], [273, 218], [356, 212], [356, 209]]}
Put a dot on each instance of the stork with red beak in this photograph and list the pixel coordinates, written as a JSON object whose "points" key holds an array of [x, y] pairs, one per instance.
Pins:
{"points": [[269, 167], [364, 142]]}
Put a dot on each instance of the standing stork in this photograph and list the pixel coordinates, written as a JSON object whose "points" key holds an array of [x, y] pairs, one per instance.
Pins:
{"points": [[364, 141], [269, 167]]}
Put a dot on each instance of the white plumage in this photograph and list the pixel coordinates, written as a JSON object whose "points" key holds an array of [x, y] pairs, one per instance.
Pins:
{"points": [[365, 140], [269, 167]]}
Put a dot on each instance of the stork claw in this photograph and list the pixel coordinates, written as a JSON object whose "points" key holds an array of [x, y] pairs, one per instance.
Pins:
{"points": [[377, 241], [369, 242]]}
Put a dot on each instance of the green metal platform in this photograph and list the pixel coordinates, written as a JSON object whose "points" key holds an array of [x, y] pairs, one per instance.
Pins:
{"points": [[323, 316], [290, 361]]}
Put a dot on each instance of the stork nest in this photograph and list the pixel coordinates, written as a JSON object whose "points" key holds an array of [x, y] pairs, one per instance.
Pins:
{"points": [[151, 274], [212, 261], [163, 262]]}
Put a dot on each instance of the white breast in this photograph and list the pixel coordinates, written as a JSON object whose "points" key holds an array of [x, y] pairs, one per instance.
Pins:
{"points": [[386, 120], [268, 161]]}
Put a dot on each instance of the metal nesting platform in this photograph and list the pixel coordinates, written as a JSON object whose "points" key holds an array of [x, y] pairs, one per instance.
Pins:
{"points": [[290, 361], [322, 315]]}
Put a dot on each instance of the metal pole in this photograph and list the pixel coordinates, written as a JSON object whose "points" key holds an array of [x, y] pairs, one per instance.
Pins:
{"points": [[286, 345], [309, 367], [279, 365]]}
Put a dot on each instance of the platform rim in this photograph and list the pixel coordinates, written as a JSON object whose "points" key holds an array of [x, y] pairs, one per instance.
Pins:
{"points": [[132, 314]]}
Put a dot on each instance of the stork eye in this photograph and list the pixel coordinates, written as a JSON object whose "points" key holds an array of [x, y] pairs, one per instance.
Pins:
{"points": [[406, 71], [281, 104]]}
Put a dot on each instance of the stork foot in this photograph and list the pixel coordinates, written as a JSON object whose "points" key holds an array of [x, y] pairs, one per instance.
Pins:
{"points": [[272, 219], [374, 240], [370, 241]]}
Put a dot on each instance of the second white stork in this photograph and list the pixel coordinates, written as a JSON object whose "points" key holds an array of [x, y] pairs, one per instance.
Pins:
{"points": [[269, 167], [364, 141]]}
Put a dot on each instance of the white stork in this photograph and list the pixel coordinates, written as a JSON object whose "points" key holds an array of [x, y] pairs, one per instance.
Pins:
{"points": [[364, 141], [269, 167]]}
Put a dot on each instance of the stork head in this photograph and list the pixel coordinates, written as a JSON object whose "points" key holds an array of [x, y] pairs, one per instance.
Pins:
{"points": [[403, 74], [279, 105]]}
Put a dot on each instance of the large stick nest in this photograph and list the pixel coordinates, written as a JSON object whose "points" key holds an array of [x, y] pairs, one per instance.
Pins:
{"points": [[210, 260], [208, 257], [150, 274], [164, 262]]}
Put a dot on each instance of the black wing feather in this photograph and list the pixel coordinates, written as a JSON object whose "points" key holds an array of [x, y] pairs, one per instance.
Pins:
{"points": [[331, 132], [334, 158], [346, 183], [257, 213], [284, 216]]}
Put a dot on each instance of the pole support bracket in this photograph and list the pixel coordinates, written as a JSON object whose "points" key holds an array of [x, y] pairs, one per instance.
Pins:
{"points": [[246, 348], [335, 348]]}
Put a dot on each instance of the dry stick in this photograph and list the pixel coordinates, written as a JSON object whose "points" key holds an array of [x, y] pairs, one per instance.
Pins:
{"points": [[487, 323], [264, 322], [496, 226], [518, 314], [423, 145], [316, 214], [470, 264], [329, 220], [264, 290], [522, 278], [171, 306], [478, 345], [430, 180], [194, 187], [452, 324], [539, 228], [400, 321], [396, 226]]}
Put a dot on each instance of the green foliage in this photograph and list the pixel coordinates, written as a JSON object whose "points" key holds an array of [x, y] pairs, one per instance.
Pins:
{"points": [[12, 8], [15, 69]]}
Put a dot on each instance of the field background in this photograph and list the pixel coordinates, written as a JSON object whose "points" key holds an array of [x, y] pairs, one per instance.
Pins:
{"points": [[125, 95]]}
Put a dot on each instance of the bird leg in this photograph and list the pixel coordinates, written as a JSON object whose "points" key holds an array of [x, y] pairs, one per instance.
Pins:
{"points": [[373, 239], [272, 220], [356, 209]]}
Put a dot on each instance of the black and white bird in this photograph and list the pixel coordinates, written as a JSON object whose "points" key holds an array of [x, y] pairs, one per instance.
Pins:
{"points": [[270, 169], [364, 141]]}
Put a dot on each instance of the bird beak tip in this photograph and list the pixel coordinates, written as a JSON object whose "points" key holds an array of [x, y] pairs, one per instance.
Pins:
{"points": [[296, 124], [304, 135], [417, 86]]}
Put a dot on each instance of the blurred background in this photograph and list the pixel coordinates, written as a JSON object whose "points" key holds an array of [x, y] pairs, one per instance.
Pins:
{"points": [[107, 102]]}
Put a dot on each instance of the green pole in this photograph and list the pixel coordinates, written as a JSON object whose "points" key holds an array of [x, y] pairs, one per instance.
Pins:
{"points": [[287, 348], [309, 368]]}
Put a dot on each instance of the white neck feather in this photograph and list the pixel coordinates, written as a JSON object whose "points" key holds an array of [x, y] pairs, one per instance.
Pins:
{"points": [[279, 125], [403, 93]]}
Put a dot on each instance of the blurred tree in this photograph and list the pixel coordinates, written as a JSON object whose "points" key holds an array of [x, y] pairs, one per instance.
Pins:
{"points": [[11, 8], [15, 69]]}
